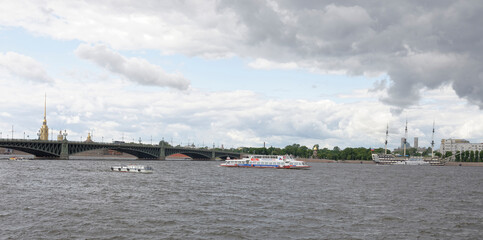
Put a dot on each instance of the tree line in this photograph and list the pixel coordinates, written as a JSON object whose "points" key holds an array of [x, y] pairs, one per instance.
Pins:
{"points": [[299, 151], [466, 156]]}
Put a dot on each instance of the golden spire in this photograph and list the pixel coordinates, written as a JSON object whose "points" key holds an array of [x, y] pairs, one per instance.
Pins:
{"points": [[44, 130], [45, 107], [89, 137]]}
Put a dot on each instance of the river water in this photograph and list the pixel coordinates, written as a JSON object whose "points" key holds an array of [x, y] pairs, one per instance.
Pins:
{"points": [[198, 200]]}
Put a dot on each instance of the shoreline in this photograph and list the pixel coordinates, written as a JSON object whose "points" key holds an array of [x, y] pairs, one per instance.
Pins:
{"points": [[311, 160], [336, 161]]}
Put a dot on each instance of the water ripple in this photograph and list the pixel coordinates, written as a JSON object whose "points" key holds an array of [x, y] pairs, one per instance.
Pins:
{"points": [[199, 200]]}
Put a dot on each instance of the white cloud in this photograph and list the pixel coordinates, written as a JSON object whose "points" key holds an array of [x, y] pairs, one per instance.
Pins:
{"points": [[266, 64], [430, 55], [23, 66], [412, 44], [5, 114], [234, 118], [133, 69]]}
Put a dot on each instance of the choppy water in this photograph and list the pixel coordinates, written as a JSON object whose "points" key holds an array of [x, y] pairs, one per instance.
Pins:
{"points": [[199, 200]]}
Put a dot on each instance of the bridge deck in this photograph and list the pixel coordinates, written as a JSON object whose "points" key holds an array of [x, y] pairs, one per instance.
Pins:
{"points": [[63, 149]]}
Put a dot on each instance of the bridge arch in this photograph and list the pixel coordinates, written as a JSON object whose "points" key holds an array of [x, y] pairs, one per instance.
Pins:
{"points": [[195, 154], [37, 148], [141, 152], [224, 156]]}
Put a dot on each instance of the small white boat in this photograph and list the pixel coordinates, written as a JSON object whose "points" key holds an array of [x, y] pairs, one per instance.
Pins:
{"points": [[266, 161], [132, 168]]}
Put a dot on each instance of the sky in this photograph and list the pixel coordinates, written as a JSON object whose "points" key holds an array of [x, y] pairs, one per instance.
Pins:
{"points": [[243, 73]]}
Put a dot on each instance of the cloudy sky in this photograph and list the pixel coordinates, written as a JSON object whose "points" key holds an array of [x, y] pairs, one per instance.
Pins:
{"points": [[241, 73]]}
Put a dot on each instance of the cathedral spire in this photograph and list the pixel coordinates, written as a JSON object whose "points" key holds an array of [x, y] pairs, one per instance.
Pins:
{"points": [[44, 130], [45, 107]]}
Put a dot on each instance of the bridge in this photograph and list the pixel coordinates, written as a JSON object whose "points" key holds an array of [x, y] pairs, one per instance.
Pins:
{"points": [[63, 149]]}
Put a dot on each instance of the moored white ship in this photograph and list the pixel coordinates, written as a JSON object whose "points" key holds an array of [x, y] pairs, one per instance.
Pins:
{"points": [[389, 159], [266, 161], [132, 168]]}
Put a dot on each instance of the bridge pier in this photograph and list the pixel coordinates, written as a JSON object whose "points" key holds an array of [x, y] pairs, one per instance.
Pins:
{"points": [[213, 156], [162, 152], [64, 150]]}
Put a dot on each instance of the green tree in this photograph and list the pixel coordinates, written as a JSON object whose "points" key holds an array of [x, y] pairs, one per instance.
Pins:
{"points": [[324, 153], [458, 156], [291, 149], [472, 156], [365, 153], [164, 143], [336, 153], [467, 156], [303, 151], [427, 151]]}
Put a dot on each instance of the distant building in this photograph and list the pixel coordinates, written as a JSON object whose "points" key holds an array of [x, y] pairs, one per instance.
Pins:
{"points": [[403, 140], [453, 145], [415, 142]]}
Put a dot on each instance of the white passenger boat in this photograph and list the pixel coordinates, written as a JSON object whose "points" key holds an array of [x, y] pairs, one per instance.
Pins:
{"points": [[266, 161], [132, 168]]}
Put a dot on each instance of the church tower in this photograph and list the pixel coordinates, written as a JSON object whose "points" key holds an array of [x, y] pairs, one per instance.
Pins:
{"points": [[44, 130]]}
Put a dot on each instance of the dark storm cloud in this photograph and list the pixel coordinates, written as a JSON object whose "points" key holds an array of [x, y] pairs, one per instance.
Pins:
{"points": [[415, 45], [419, 44]]}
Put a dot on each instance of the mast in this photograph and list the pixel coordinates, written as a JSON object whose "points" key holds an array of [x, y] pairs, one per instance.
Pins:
{"points": [[405, 137], [385, 144], [432, 143]]}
